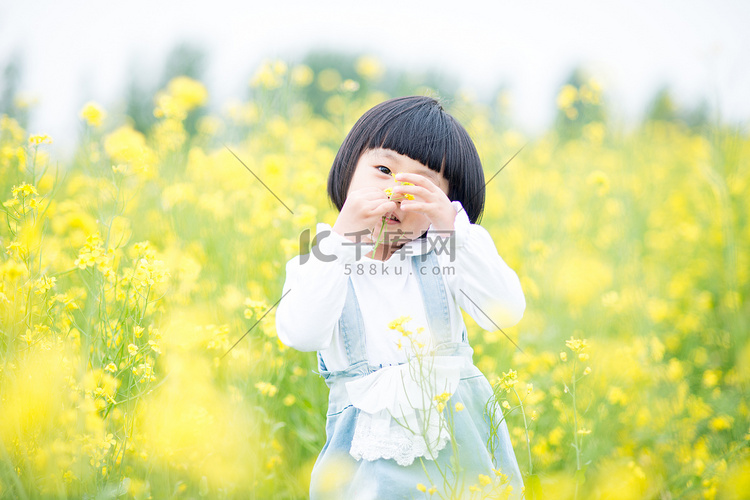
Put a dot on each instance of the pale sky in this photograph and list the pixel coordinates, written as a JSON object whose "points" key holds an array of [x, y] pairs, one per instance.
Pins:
{"points": [[81, 50]]}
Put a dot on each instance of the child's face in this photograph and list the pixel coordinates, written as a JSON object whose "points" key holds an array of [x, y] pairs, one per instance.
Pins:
{"points": [[375, 167]]}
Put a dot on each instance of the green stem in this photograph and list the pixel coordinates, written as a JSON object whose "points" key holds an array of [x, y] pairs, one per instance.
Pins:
{"points": [[377, 242], [526, 428], [575, 426]]}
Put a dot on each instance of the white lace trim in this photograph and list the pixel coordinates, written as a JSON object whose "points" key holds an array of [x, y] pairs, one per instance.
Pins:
{"points": [[400, 417]]}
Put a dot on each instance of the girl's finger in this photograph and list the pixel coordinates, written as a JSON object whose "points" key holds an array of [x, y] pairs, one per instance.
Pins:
{"points": [[415, 190], [417, 179], [370, 193], [415, 206], [384, 208]]}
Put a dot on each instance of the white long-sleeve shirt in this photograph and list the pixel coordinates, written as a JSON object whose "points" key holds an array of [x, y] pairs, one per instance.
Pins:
{"points": [[474, 274]]}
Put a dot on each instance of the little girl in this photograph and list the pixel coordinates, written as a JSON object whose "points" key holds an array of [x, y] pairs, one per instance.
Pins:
{"points": [[380, 298]]}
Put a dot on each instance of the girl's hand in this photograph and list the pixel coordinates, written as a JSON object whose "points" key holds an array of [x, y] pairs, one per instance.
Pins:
{"points": [[428, 199], [363, 210]]}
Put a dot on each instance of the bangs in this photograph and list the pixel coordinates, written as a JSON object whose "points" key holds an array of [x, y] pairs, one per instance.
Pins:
{"points": [[420, 133]]}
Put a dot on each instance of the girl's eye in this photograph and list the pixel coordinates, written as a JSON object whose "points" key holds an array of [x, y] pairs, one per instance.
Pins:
{"points": [[383, 169]]}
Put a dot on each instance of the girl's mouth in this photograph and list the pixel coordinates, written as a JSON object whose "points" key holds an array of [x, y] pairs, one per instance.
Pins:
{"points": [[391, 219]]}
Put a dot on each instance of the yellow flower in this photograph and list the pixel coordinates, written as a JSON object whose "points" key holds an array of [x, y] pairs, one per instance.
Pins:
{"points": [[329, 79], [154, 346], [24, 190], [600, 181], [567, 96], [40, 139], [587, 370], [721, 423], [190, 93], [389, 191], [576, 345], [132, 349], [111, 367], [460, 407], [421, 487], [582, 431], [369, 68], [44, 284], [93, 114], [509, 380], [349, 85], [398, 322], [302, 75], [484, 480], [441, 399], [498, 473], [267, 389]]}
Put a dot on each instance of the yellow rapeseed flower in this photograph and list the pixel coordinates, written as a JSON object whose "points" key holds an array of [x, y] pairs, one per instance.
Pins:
{"points": [[329, 79], [40, 139], [369, 68], [396, 323], [567, 96], [600, 181], [576, 345], [267, 389], [721, 423], [44, 284], [154, 346], [93, 114], [188, 92], [349, 85], [441, 399], [24, 190], [302, 75], [421, 487], [509, 380]]}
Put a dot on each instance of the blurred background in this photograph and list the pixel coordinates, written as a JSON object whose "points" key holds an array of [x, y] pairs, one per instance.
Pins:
{"points": [[56, 56], [141, 261]]}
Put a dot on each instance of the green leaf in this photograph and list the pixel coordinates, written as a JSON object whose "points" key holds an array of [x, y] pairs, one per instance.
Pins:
{"points": [[581, 475], [533, 487]]}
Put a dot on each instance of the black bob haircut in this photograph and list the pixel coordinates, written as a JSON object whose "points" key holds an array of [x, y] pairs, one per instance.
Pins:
{"points": [[419, 128]]}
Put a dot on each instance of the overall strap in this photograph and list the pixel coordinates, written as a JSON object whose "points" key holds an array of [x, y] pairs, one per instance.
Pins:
{"points": [[353, 327], [434, 294]]}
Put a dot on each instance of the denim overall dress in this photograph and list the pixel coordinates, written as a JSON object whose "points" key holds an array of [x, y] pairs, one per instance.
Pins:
{"points": [[338, 475]]}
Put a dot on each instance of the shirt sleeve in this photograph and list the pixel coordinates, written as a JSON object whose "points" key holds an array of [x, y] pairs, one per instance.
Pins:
{"points": [[482, 283], [315, 291]]}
